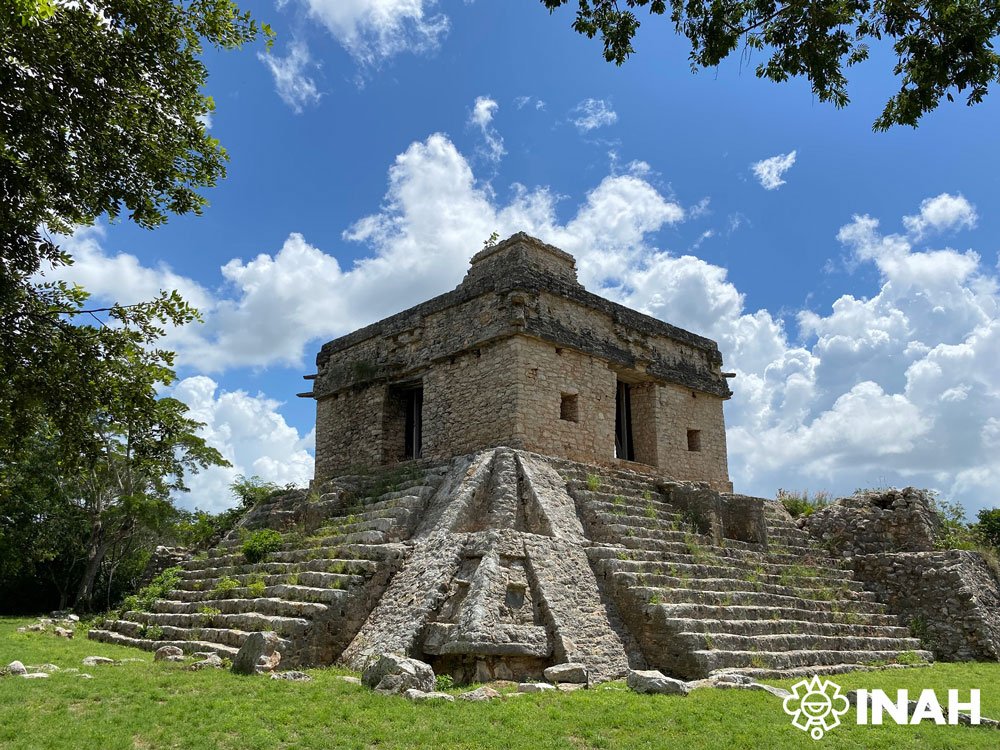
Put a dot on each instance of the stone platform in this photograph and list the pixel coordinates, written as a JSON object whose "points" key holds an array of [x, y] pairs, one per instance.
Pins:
{"points": [[499, 564]]}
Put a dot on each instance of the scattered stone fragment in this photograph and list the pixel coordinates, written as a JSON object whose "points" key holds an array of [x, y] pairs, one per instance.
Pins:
{"points": [[22, 629], [64, 632], [570, 672], [73, 618], [534, 687], [48, 668], [419, 696], [391, 673], [349, 678], [16, 667], [202, 654], [94, 661], [484, 693], [708, 682], [37, 627], [733, 677], [168, 653], [85, 676], [291, 675], [214, 661], [259, 654], [652, 681], [34, 676]]}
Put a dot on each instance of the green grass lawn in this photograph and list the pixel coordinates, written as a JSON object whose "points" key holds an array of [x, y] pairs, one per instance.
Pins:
{"points": [[147, 705]]}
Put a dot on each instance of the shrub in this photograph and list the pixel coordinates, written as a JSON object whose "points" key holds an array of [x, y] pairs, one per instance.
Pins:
{"points": [[142, 601], [989, 526], [154, 632], [444, 682], [224, 586], [253, 490], [593, 482], [259, 544], [800, 504], [954, 531], [256, 585]]}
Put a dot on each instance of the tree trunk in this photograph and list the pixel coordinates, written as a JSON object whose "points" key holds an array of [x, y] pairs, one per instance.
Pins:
{"points": [[96, 551]]}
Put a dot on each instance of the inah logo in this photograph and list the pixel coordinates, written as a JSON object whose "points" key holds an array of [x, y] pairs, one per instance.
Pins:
{"points": [[816, 706]]}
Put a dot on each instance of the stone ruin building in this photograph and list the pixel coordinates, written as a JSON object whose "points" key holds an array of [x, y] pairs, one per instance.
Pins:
{"points": [[519, 473]]}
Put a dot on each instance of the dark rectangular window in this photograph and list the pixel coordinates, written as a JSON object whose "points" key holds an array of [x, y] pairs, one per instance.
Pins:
{"points": [[569, 407], [694, 440], [623, 422]]}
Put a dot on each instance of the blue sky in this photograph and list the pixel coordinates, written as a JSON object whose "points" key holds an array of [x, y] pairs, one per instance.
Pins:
{"points": [[850, 277]]}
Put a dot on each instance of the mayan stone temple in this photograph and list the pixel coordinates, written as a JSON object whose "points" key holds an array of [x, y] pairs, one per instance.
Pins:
{"points": [[519, 474]]}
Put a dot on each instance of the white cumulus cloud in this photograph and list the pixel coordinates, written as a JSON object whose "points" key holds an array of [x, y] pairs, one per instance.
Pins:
{"points": [[250, 434], [291, 81], [375, 30], [769, 172], [940, 213], [591, 114], [483, 111]]}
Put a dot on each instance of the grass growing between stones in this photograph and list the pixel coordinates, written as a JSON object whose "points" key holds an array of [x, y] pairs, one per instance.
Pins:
{"points": [[147, 705]]}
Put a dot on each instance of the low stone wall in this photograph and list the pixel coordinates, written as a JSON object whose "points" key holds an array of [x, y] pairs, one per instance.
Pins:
{"points": [[949, 598], [875, 522]]}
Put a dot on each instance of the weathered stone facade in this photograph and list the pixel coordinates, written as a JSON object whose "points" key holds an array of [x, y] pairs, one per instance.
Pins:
{"points": [[504, 563], [876, 521], [521, 355], [950, 599]]}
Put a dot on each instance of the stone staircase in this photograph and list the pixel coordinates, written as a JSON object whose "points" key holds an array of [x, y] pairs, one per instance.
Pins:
{"points": [[340, 549], [462, 560], [702, 593]]}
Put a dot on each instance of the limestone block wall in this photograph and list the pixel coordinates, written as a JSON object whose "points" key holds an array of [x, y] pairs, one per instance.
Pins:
{"points": [[950, 599], [349, 430], [876, 521], [470, 401], [543, 375], [679, 411]]}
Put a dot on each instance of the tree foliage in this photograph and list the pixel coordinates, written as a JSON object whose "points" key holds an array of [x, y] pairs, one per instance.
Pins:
{"points": [[941, 46], [988, 526], [102, 113], [93, 491]]}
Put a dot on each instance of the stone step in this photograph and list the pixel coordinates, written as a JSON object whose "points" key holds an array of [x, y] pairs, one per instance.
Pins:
{"points": [[758, 599], [701, 611], [362, 536], [781, 660], [602, 514], [201, 580], [270, 605], [783, 642], [614, 483], [229, 638], [343, 550], [770, 585], [647, 548], [589, 500], [777, 627], [189, 647], [809, 671], [244, 621], [411, 498], [767, 571]]}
